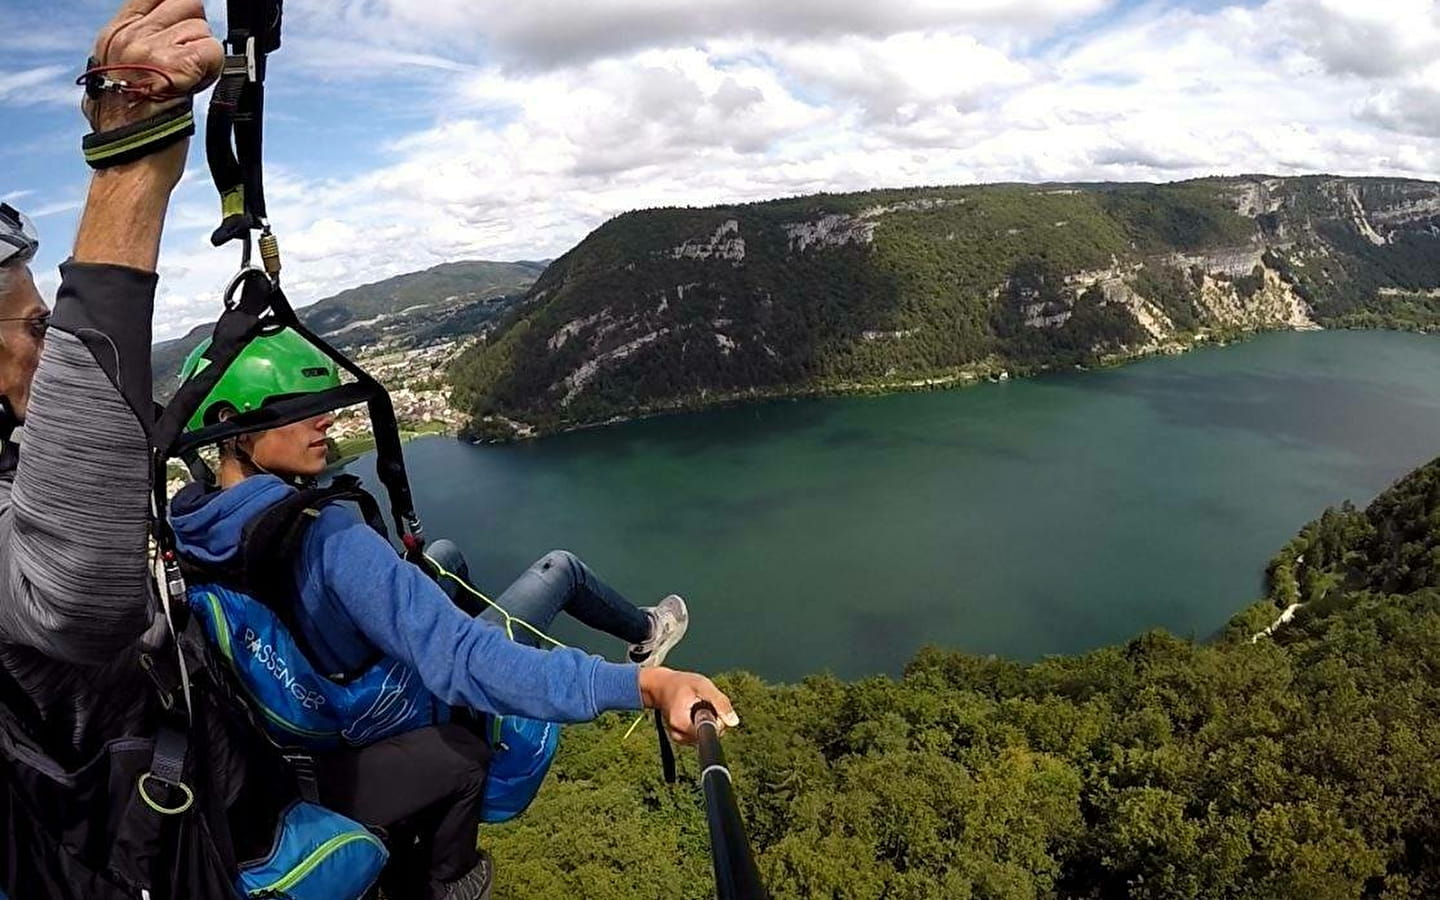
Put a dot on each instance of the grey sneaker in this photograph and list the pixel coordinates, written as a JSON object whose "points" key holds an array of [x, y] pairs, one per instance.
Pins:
{"points": [[473, 885], [668, 621]]}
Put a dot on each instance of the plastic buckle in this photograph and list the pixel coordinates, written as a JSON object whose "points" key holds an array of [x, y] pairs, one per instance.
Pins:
{"points": [[174, 580], [236, 64], [303, 766]]}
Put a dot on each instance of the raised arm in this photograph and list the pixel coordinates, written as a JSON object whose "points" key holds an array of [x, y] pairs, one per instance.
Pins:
{"points": [[73, 541]]}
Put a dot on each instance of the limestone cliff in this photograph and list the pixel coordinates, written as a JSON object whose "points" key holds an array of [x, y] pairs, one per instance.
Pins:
{"points": [[680, 307]]}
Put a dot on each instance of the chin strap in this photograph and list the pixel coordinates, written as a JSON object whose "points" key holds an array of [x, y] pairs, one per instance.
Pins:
{"points": [[246, 460]]}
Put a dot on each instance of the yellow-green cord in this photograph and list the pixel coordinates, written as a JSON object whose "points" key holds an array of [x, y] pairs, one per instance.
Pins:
{"points": [[510, 621], [165, 810]]}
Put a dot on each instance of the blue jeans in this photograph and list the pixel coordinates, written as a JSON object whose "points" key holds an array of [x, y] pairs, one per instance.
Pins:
{"points": [[557, 582]]}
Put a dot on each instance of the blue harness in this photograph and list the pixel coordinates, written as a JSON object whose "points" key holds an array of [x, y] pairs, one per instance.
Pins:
{"points": [[298, 706], [246, 609]]}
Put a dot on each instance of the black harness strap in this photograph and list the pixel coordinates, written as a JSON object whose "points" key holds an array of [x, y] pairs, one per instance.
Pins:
{"points": [[389, 454], [667, 752], [254, 305], [167, 772], [17, 709], [240, 323], [234, 137], [260, 306], [9, 447], [234, 149], [263, 567], [272, 415]]}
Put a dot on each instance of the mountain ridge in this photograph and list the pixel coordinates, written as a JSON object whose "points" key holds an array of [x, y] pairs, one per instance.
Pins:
{"points": [[451, 299], [894, 288]]}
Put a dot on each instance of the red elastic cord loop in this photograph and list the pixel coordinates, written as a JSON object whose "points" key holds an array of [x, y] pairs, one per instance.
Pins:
{"points": [[135, 90]]}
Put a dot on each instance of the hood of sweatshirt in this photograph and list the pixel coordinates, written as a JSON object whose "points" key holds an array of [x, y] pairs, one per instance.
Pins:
{"points": [[208, 524]]}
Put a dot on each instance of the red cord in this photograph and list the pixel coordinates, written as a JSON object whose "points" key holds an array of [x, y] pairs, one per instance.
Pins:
{"points": [[141, 91]]}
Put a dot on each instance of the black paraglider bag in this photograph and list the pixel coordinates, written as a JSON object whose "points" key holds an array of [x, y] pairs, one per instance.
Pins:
{"points": [[87, 831], [57, 844]]}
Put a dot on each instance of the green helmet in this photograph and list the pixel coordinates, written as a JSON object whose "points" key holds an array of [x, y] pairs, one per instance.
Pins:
{"points": [[274, 365]]}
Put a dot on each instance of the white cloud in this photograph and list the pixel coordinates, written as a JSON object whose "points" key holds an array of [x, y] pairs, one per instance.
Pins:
{"points": [[41, 84], [46, 29], [561, 33], [340, 58], [1362, 37], [904, 77], [546, 122], [1409, 105], [50, 209]]}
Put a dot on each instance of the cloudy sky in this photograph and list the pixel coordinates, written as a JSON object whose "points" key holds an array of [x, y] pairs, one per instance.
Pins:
{"points": [[405, 133]]}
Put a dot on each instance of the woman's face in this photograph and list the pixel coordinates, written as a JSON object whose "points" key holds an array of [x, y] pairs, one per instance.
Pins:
{"points": [[292, 450]]}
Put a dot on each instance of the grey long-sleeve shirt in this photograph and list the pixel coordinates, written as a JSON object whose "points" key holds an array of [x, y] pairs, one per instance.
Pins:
{"points": [[74, 594]]}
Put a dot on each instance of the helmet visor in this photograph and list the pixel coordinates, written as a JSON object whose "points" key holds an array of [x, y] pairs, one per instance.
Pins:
{"points": [[18, 237]]}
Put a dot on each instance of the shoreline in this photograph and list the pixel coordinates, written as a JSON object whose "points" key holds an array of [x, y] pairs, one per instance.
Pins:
{"points": [[352, 448], [990, 372], [971, 376]]}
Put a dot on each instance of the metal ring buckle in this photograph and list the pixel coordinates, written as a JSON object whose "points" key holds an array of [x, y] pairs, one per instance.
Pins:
{"points": [[165, 810], [239, 279]]}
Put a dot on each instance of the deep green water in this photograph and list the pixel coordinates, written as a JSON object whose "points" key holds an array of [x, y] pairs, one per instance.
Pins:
{"points": [[1050, 515]]}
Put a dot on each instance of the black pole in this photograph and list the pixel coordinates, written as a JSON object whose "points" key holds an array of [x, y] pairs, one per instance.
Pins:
{"points": [[736, 877]]}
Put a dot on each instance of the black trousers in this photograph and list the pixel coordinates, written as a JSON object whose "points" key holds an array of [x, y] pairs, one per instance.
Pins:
{"points": [[424, 789]]}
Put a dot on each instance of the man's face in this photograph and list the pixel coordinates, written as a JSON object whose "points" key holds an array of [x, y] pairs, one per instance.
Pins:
{"points": [[22, 334]]}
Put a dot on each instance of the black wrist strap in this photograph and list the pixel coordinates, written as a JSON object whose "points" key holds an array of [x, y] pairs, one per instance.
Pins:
{"points": [[104, 149]]}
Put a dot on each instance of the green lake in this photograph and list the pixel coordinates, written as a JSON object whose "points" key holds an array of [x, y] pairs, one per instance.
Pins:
{"points": [[1038, 516]]}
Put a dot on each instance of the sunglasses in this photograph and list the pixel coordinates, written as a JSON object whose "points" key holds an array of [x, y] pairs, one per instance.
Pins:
{"points": [[36, 325]]}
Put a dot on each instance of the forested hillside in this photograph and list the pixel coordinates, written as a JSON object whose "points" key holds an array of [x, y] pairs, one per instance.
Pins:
{"points": [[447, 301], [1300, 766], [675, 308]]}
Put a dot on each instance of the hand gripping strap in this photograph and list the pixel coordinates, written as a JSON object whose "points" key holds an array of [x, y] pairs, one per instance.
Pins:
{"points": [[104, 149]]}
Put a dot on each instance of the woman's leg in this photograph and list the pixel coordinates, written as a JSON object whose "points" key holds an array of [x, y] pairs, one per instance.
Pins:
{"points": [[559, 581]]}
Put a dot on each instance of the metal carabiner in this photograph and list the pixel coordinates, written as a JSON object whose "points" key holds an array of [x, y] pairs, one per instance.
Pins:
{"points": [[230, 300]]}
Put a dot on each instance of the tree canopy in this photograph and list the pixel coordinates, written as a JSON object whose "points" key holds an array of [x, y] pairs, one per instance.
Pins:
{"points": [[1298, 766]]}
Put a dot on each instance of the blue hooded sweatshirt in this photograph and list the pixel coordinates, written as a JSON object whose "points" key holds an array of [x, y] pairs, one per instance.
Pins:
{"points": [[356, 596]]}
